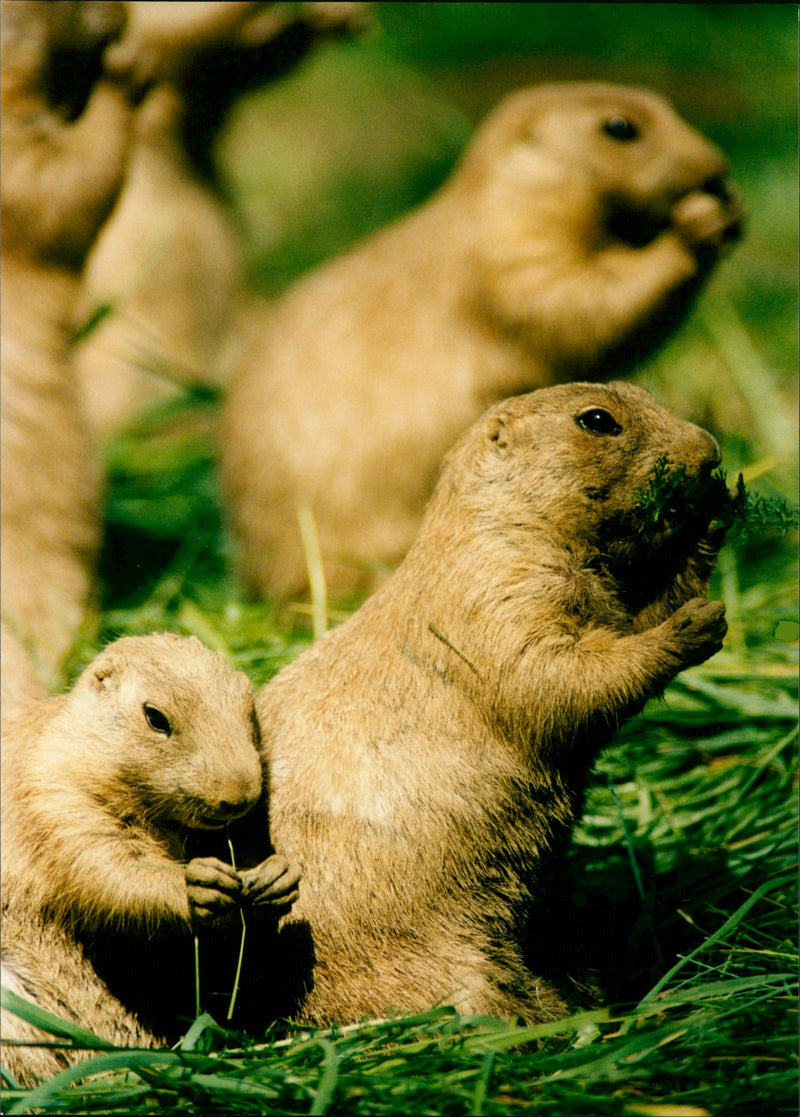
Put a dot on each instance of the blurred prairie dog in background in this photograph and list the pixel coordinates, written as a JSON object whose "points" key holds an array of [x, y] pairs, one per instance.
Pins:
{"points": [[167, 276], [571, 238], [65, 139]]}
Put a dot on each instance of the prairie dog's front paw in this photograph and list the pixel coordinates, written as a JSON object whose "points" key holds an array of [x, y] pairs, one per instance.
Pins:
{"points": [[273, 883], [706, 221], [698, 628], [214, 889]]}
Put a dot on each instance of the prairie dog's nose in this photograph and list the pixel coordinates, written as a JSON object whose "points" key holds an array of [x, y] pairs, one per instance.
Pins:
{"points": [[240, 791], [236, 810], [709, 453]]}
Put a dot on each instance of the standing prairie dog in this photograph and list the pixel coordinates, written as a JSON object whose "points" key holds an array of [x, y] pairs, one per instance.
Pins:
{"points": [[107, 791], [63, 160], [429, 756], [580, 222]]}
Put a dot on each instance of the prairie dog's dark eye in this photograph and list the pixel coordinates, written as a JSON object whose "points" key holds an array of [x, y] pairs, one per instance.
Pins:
{"points": [[598, 421], [156, 720], [620, 128]]}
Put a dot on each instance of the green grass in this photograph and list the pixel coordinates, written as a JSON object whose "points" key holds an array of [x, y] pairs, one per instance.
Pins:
{"points": [[678, 902]]}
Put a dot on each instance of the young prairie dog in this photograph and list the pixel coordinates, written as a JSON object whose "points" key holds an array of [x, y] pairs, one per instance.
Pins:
{"points": [[115, 797], [580, 222], [63, 151], [429, 756]]}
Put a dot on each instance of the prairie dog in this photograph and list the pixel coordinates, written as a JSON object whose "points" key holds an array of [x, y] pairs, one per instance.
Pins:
{"points": [[429, 756], [50, 478], [63, 164], [108, 791], [580, 222], [168, 267]]}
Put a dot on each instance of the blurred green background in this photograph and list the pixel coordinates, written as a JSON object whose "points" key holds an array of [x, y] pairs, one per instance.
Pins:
{"points": [[365, 128]]}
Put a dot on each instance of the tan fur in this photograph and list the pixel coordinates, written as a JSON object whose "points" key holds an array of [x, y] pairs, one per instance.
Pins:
{"points": [[59, 180], [100, 810], [513, 276], [50, 478], [60, 177], [41, 967], [428, 757]]}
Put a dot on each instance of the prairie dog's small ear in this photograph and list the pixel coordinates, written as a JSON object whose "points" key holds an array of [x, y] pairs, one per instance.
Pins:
{"points": [[497, 431], [103, 676]]}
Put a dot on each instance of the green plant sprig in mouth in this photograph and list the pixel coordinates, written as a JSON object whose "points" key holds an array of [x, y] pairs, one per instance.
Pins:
{"points": [[747, 515]]}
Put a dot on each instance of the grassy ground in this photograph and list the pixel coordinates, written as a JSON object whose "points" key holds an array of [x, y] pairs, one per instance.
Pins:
{"points": [[679, 898]]}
